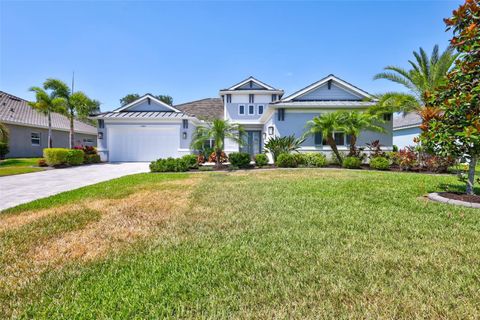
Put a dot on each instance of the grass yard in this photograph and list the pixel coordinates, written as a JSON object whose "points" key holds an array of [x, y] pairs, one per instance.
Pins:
{"points": [[13, 166], [304, 243]]}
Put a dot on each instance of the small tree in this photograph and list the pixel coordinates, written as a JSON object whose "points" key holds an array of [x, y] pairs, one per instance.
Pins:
{"points": [[46, 103], [453, 126], [218, 131], [326, 124], [77, 104], [354, 122]]}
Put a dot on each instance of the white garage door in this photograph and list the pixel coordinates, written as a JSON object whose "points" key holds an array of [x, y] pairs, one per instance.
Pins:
{"points": [[143, 143]]}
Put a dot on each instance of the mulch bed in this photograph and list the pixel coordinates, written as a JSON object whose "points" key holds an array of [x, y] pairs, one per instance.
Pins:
{"points": [[460, 196]]}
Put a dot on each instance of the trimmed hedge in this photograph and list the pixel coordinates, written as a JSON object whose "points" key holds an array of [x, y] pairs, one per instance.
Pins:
{"points": [[169, 165], [75, 157], [55, 156], [380, 163], [287, 160], [239, 159], [91, 158], [191, 160], [314, 159], [351, 162], [261, 160]]}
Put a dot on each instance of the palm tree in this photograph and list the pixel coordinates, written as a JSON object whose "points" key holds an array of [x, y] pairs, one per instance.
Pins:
{"points": [[426, 74], [3, 133], [46, 104], [78, 104], [218, 131], [326, 124], [353, 122]]}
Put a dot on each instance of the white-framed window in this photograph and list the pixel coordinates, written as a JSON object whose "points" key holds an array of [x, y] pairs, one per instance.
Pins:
{"points": [[229, 98], [251, 109], [260, 109], [88, 142], [35, 138], [251, 98], [241, 109], [339, 138]]}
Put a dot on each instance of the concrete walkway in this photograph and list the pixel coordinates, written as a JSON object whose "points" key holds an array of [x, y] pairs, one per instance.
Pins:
{"points": [[23, 188]]}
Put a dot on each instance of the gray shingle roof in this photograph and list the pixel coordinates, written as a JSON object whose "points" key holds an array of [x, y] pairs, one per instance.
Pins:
{"points": [[205, 109], [410, 119], [15, 110], [141, 115]]}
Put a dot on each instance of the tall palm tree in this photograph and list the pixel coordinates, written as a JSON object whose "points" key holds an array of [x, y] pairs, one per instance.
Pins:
{"points": [[353, 122], [4, 133], [218, 131], [326, 124], [78, 104], [425, 75], [46, 103]]}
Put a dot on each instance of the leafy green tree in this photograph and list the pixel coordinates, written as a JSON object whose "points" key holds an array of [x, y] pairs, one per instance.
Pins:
{"points": [[354, 122], [426, 73], [327, 124], [218, 130], [129, 98], [278, 145], [4, 133], [46, 103], [77, 104], [453, 126]]}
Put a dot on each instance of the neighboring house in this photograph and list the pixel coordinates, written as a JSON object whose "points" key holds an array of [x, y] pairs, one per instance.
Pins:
{"points": [[28, 128], [148, 129], [406, 127]]}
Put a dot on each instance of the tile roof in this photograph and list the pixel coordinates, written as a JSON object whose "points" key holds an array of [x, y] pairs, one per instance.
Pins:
{"points": [[204, 109], [15, 110], [141, 115], [411, 119]]}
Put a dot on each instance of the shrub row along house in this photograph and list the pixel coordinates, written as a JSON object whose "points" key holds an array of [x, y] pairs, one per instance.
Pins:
{"points": [[148, 129], [28, 128]]}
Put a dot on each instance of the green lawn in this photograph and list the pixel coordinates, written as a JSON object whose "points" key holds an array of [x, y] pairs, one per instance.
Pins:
{"points": [[307, 243], [13, 166]]}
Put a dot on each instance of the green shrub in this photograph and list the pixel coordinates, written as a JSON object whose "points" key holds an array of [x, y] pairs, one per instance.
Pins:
{"points": [[351, 162], [287, 160], [239, 159], [261, 160], [299, 158], [314, 160], [169, 165], [75, 157], [55, 156], [380, 163], [91, 158], [205, 168], [3, 150], [191, 160]]}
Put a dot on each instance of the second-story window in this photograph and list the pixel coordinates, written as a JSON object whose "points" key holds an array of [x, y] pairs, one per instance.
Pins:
{"points": [[101, 123], [251, 109], [281, 114], [185, 124], [274, 97], [251, 98], [229, 98], [260, 109], [241, 109]]}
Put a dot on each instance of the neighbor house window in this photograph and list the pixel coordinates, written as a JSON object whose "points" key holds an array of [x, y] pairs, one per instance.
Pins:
{"points": [[185, 124], [251, 98], [101, 123], [229, 98], [241, 109], [281, 114], [387, 117], [274, 97], [318, 138], [260, 109], [35, 138], [251, 109]]}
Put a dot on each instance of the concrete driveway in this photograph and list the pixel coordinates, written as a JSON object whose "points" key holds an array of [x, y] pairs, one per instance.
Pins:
{"points": [[23, 188]]}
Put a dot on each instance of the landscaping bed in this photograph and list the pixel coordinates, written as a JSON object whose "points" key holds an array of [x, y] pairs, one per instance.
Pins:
{"points": [[461, 196]]}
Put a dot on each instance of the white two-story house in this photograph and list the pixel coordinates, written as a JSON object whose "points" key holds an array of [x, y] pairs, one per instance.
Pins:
{"points": [[148, 129]]}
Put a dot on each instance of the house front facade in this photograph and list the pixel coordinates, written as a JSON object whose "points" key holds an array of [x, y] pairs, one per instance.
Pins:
{"points": [[148, 129]]}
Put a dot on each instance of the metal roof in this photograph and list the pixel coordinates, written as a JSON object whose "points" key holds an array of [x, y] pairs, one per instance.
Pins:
{"points": [[406, 120], [142, 115], [15, 110]]}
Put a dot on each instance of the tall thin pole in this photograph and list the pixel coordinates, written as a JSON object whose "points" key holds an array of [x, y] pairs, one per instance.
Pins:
{"points": [[73, 80]]}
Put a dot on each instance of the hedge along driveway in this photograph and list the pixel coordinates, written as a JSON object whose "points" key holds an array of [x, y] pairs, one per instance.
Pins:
{"points": [[15, 190]]}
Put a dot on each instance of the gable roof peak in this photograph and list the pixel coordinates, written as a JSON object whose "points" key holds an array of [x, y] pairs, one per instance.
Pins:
{"points": [[144, 97], [253, 79]]}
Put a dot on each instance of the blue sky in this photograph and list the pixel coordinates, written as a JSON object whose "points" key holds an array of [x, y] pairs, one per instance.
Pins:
{"points": [[190, 50]]}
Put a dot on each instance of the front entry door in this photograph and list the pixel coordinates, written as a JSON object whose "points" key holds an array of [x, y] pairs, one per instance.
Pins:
{"points": [[252, 143]]}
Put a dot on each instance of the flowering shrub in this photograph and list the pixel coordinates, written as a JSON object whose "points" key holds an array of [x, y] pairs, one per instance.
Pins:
{"points": [[407, 158], [42, 163], [213, 157]]}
